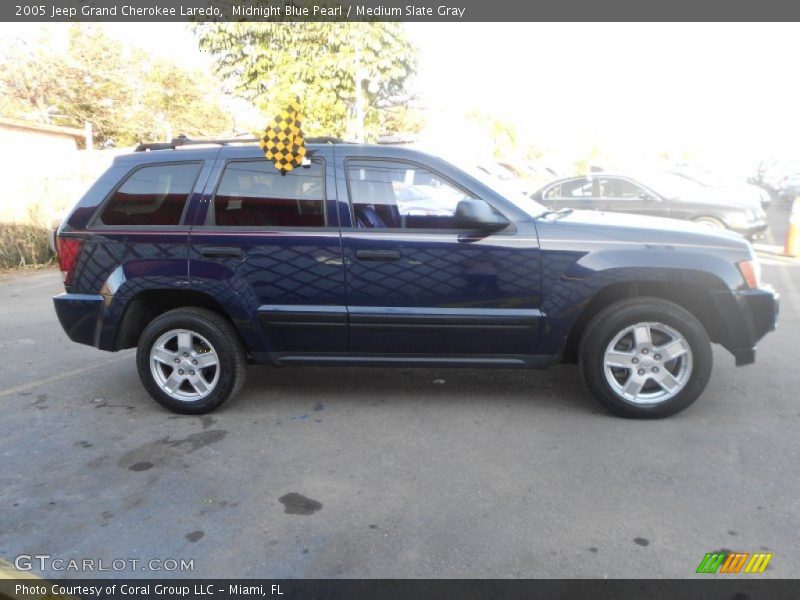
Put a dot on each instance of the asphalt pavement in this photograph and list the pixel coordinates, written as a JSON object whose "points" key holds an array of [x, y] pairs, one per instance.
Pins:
{"points": [[369, 472]]}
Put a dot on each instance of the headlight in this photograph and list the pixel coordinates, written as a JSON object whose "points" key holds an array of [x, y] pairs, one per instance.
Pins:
{"points": [[740, 219], [751, 272]]}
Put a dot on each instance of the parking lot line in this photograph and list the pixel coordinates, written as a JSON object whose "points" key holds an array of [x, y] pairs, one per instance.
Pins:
{"points": [[34, 384]]}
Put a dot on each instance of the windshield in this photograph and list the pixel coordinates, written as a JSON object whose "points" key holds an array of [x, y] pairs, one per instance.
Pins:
{"points": [[709, 178], [669, 185], [509, 190]]}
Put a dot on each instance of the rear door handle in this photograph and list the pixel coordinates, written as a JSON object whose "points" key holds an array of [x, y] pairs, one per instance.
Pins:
{"points": [[221, 252], [377, 254]]}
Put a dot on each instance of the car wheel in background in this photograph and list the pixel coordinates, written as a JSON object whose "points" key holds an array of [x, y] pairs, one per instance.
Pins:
{"points": [[191, 360], [711, 222], [645, 358]]}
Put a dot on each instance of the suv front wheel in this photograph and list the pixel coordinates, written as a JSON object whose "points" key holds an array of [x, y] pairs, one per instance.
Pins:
{"points": [[645, 358], [190, 360]]}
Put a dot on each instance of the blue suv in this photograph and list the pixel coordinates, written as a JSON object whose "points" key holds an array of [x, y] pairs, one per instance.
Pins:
{"points": [[205, 258]]}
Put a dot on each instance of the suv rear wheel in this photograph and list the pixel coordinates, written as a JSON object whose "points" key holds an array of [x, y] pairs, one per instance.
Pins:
{"points": [[190, 360], [645, 358]]}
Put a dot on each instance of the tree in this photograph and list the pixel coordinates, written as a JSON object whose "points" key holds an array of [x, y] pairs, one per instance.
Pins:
{"points": [[178, 101], [27, 82], [501, 132], [127, 94], [348, 75], [401, 119]]}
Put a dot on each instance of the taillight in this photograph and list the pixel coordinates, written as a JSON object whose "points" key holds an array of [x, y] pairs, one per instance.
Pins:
{"points": [[68, 248]]}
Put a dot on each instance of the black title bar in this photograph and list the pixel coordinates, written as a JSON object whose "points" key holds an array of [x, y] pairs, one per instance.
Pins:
{"points": [[708, 588], [397, 10]]}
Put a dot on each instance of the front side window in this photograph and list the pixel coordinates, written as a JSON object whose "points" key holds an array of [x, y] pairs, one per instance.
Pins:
{"points": [[397, 195], [253, 193], [153, 195]]}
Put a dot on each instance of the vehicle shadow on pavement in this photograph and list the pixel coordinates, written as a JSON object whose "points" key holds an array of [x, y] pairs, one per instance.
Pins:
{"points": [[559, 386]]}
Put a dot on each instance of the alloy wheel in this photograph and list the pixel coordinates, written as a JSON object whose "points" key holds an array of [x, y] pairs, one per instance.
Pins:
{"points": [[184, 365], [648, 363]]}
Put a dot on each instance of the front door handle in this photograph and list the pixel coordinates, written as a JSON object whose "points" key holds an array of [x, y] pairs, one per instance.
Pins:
{"points": [[221, 252], [377, 254]]}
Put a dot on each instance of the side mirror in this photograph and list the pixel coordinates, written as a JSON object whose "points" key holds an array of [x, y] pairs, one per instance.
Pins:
{"points": [[477, 214], [644, 196]]}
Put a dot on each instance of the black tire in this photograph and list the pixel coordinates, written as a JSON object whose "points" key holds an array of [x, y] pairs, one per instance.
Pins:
{"points": [[615, 319], [223, 338]]}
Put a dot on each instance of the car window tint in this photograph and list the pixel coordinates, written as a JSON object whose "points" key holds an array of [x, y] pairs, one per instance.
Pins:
{"points": [[255, 194], [573, 188], [612, 187], [553, 192], [399, 195], [152, 195]]}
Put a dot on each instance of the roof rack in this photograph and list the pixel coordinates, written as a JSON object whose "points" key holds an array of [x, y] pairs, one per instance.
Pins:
{"points": [[182, 140], [325, 139]]}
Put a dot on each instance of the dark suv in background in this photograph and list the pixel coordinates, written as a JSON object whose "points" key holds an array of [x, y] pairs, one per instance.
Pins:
{"points": [[206, 258]]}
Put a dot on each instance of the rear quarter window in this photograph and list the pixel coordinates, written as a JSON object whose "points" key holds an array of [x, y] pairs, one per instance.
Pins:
{"points": [[152, 195]]}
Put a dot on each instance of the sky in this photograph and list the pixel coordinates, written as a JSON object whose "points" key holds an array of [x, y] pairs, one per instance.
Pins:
{"points": [[721, 93], [725, 95]]}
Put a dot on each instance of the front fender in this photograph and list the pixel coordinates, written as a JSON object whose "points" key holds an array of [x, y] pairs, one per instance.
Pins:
{"points": [[571, 280]]}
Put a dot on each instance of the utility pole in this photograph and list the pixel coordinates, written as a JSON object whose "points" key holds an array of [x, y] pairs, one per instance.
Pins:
{"points": [[360, 110], [87, 135]]}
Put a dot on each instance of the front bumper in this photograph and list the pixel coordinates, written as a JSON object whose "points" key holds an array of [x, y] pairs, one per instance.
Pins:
{"points": [[81, 316], [747, 316], [753, 230]]}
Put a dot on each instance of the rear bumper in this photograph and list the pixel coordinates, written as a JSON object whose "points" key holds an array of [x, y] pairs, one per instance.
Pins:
{"points": [[81, 316], [748, 315]]}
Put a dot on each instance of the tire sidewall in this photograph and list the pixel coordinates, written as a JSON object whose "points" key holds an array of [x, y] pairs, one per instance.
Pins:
{"points": [[226, 354], [613, 322]]}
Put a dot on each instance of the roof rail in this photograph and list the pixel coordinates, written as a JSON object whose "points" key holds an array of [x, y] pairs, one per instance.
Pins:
{"points": [[154, 146], [325, 139], [182, 140]]}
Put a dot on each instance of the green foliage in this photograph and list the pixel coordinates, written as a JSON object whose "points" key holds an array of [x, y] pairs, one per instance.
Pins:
{"points": [[128, 95], [503, 133], [402, 119], [23, 245], [533, 153], [323, 63], [580, 167]]}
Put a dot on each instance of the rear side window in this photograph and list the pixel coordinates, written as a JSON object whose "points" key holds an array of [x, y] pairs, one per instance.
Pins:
{"points": [[620, 188], [255, 194], [152, 195]]}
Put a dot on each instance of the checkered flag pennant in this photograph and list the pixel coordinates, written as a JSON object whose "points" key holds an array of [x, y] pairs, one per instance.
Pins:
{"points": [[283, 142]]}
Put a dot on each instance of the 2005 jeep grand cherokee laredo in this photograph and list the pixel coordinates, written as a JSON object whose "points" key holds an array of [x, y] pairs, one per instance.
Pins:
{"points": [[206, 257]]}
